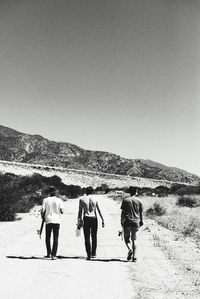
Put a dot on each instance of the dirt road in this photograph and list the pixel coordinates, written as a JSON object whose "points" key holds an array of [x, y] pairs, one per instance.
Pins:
{"points": [[24, 273]]}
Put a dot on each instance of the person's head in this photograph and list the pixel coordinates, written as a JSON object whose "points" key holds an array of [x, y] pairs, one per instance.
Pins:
{"points": [[132, 190], [89, 190], [83, 191], [52, 190]]}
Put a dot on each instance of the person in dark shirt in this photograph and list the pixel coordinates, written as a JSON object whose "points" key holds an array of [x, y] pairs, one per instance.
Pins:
{"points": [[131, 220]]}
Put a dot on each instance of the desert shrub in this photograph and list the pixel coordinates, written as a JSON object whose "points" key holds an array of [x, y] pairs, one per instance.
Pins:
{"points": [[18, 194], [190, 227], [54, 181], [181, 219], [103, 188], [185, 190], [107, 190], [37, 197], [193, 190], [7, 209], [24, 204], [155, 210], [187, 201], [145, 191], [181, 191], [6, 178], [162, 191], [176, 187], [73, 191]]}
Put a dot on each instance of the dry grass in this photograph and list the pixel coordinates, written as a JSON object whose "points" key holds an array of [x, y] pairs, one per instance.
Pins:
{"points": [[180, 219], [183, 220], [178, 223], [180, 252]]}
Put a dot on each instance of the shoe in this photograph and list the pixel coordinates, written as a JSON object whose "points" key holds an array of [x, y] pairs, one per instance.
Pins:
{"points": [[88, 258], [93, 256], [134, 259], [54, 257], [48, 256], [129, 255]]}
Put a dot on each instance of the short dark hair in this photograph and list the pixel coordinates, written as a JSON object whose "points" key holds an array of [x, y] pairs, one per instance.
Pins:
{"points": [[52, 190], [89, 190], [132, 190]]}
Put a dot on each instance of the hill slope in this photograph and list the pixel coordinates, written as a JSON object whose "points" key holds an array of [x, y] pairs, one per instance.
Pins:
{"points": [[35, 149]]}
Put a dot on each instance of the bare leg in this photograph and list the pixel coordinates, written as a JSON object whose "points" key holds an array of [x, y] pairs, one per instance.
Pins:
{"points": [[127, 242], [134, 249], [128, 245]]}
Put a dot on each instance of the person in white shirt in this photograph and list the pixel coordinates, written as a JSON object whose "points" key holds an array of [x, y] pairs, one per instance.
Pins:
{"points": [[88, 207], [52, 208]]}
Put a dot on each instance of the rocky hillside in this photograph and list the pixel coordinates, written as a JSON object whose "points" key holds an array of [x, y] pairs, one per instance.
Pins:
{"points": [[81, 178], [35, 149]]}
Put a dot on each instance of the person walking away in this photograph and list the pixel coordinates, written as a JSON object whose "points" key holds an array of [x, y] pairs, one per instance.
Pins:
{"points": [[88, 207], [131, 220], [52, 208]]}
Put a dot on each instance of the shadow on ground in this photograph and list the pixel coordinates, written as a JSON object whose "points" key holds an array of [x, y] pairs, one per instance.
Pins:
{"points": [[60, 257]]}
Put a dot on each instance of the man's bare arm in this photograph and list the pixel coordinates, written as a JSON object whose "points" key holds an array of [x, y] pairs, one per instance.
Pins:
{"points": [[80, 210], [122, 219], [42, 213], [141, 217], [100, 214]]}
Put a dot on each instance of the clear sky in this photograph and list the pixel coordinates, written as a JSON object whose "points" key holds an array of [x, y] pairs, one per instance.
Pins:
{"points": [[109, 75]]}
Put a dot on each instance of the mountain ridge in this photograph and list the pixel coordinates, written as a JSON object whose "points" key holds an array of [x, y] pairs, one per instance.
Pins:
{"points": [[35, 149]]}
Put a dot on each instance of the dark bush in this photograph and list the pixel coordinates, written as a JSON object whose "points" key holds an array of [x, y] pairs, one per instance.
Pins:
{"points": [[21, 193], [7, 209], [187, 201], [145, 191], [73, 191], [175, 187], [55, 181], [156, 210], [103, 188], [185, 189], [162, 191], [24, 204]]}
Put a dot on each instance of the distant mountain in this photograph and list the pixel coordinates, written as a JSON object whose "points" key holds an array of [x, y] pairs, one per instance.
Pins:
{"points": [[35, 149]]}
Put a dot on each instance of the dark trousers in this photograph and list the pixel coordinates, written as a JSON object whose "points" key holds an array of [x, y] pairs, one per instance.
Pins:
{"points": [[49, 228], [90, 230]]}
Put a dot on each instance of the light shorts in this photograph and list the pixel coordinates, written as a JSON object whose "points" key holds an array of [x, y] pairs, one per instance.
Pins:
{"points": [[130, 231]]}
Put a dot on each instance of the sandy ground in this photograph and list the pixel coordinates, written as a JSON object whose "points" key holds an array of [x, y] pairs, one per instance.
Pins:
{"points": [[25, 273]]}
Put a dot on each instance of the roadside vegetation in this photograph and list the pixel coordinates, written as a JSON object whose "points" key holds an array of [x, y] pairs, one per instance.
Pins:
{"points": [[18, 194], [177, 213], [176, 227], [176, 208]]}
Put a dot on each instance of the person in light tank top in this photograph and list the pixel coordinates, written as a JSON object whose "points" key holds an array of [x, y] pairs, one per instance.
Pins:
{"points": [[88, 208]]}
